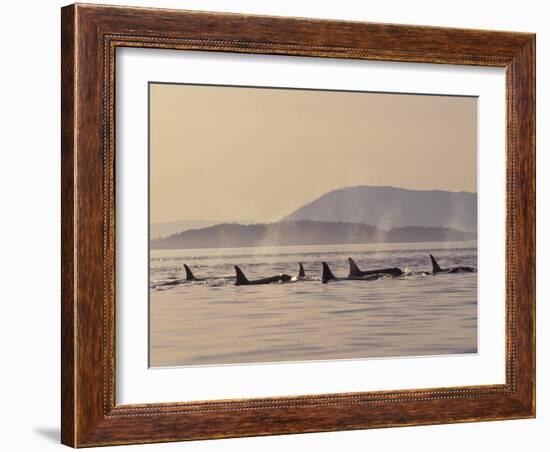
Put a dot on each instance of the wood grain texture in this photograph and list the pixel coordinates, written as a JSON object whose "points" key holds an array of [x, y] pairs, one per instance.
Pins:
{"points": [[90, 36], [68, 310]]}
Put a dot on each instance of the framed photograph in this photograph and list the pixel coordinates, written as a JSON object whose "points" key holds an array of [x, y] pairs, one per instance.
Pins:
{"points": [[281, 225]]}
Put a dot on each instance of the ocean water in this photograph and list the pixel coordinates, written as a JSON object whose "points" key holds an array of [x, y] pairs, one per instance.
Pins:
{"points": [[212, 321]]}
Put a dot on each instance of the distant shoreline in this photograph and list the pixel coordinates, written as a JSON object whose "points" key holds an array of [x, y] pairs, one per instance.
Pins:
{"points": [[304, 233]]}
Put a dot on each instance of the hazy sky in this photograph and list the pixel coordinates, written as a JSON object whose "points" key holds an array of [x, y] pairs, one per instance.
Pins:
{"points": [[225, 153]]}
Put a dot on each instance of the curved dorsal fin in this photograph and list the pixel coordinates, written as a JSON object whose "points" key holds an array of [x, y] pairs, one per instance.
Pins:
{"points": [[301, 273], [327, 274], [353, 268], [435, 266], [189, 276], [241, 279]]}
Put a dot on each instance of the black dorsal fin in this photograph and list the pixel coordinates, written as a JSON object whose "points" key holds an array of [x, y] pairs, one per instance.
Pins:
{"points": [[435, 266], [301, 272], [327, 274], [189, 276], [241, 279], [353, 268]]}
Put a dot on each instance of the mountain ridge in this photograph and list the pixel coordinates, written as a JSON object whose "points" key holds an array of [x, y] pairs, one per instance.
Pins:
{"points": [[387, 207], [164, 229], [303, 232]]}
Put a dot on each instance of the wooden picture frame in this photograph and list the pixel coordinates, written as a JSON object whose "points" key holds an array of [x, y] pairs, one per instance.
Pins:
{"points": [[90, 36]]}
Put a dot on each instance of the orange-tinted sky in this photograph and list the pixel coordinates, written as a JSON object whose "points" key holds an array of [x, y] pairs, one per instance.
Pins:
{"points": [[230, 153]]}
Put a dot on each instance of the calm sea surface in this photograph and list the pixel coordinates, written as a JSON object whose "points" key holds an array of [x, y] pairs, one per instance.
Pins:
{"points": [[215, 322]]}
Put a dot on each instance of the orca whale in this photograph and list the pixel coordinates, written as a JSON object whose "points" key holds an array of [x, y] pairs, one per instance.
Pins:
{"points": [[301, 272], [437, 269], [242, 280], [329, 276], [189, 276], [354, 270]]}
